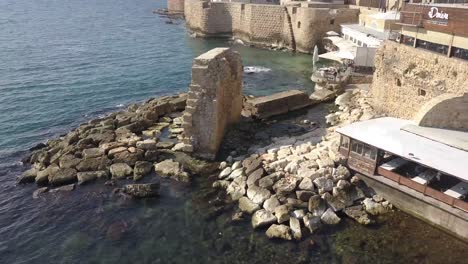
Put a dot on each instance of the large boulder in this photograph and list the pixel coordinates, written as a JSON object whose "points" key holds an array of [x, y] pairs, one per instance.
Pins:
{"points": [[262, 218], [172, 169], [93, 164], [312, 222], [267, 182], [63, 176], [128, 157], [295, 225], [271, 203], [285, 185], [373, 207], [142, 190], [92, 153], [329, 217], [359, 214], [317, 205], [324, 184], [68, 161], [282, 213], [87, 176], [279, 231], [237, 188], [28, 176], [141, 169], [120, 170], [246, 205], [257, 194], [255, 176]]}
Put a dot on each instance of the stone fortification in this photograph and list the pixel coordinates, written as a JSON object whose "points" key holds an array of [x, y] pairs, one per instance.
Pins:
{"points": [[175, 6], [214, 100], [296, 28], [408, 80]]}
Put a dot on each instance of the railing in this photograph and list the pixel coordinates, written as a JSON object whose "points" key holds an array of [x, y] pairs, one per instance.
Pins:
{"points": [[424, 189]]}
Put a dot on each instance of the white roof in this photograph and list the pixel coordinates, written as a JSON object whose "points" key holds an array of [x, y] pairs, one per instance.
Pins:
{"points": [[386, 134], [391, 15]]}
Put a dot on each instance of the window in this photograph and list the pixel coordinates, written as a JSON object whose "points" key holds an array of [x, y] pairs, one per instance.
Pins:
{"points": [[294, 10], [364, 150], [332, 22], [421, 92], [407, 40], [359, 43], [344, 142], [460, 53], [242, 6], [398, 82], [299, 24], [442, 49]]}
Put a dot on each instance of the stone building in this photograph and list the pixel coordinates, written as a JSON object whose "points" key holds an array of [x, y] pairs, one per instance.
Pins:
{"points": [[175, 6]]}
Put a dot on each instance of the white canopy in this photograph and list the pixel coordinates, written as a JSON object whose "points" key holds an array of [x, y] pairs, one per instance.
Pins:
{"points": [[387, 134]]}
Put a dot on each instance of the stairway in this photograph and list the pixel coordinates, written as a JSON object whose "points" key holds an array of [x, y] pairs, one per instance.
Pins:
{"points": [[291, 32]]}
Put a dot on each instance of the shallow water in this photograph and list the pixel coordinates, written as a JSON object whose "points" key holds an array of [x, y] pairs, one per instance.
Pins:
{"points": [[64, 62]]}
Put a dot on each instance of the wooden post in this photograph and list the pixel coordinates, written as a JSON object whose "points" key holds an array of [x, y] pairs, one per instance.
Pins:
{"points": [[450, 45]]}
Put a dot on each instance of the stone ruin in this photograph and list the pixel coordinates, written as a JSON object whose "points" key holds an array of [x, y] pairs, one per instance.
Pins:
{"points": [[214, 100]]}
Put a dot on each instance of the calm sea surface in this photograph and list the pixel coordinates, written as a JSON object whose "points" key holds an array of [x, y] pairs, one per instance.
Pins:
{"points": [[63, 62]]}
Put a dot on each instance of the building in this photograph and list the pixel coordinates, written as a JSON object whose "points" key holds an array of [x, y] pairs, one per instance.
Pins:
{"points": [[440, 28], [421, 170]]}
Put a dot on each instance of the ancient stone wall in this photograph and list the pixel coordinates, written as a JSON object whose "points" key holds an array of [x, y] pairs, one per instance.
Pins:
{"points": [[175, 6], [214, 100], [406, 78], [266, 25]]}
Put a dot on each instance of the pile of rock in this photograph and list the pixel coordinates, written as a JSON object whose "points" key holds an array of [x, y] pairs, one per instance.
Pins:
{"points": [[301, 181], [119, 146]]}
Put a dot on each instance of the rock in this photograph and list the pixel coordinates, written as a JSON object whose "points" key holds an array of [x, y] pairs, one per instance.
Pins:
{"points": [[39, 191], [40, 156], [334, 202], [43, 175], [246, 205], [142, 190], [92, 153], [316, 205], [325, 162], [120, 170], [141, 169], [236, 173], [28, 176], [237, 188], [374, 208], [63, 176], [183, 147], [38, 147], [114, 151], [236, 165], [271, 203], [128, 157], [93, 164], [221, 184], [295, 225], [279, 231], [285, 185], [282, 213], [304, 195], [167, 168], [377, 198], [299, 214], [329, 217], [256, 163], [106, 147], [312, 222], [225, 172], [165, 145], [324, 184], [292, 167], [343, 185], [341, 173], [262, 218], [87, 176], [151, 155], [257, 194], [222, 165], [69, 161], [355, 180], [255, 176], [267, 182], [148, 144], [359, 214], [296, 203], [306, 184], [65, 188]]}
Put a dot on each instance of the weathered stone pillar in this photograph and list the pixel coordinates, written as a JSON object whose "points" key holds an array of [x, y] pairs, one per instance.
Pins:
{"points": [[214, 100]]}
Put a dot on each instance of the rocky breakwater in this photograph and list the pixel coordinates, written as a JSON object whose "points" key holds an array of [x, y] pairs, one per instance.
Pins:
{"points": [[124, 145], [298, 184]]}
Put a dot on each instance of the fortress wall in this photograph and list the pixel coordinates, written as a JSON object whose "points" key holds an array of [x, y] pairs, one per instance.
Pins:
{"points": [[407, 78], [175, 6], [266, 25]]}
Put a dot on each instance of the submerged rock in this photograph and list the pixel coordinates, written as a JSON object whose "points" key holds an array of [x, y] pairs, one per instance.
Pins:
{"points": [[120, 170], [279, 231], [262, 218], [142, 190], [359, 214], [63, 176], [141, 169]]}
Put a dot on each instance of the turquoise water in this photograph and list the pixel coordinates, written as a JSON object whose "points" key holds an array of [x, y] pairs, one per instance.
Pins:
{"points": [[63, 62]]}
